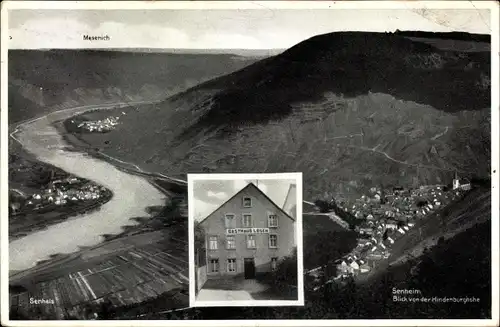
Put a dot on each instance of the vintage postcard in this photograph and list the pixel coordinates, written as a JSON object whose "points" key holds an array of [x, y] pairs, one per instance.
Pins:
{"points": [[246, 239], [249, 163]]}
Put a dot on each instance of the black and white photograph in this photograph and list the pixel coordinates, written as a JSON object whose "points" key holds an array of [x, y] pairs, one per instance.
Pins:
{"points": [[250, 163], [245, 236]]}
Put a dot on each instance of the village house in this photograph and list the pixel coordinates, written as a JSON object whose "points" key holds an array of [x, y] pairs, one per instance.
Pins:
{"points": [[246, 236], [354, 265], [14, 207], [391, 225], [466, 187], [343, 268], [347, 266], [385, 223], [366, 230], [364, 268], [375, 255]]}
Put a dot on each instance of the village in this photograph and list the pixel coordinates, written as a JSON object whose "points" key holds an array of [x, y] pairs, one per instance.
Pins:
{"points": [[384, 217], [99, 126], [60, 192]]}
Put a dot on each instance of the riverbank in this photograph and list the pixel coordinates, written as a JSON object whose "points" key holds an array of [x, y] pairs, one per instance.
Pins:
{"points": [[132, 195], [138, 224], [37, 180], [78, 144], [23, 224]]}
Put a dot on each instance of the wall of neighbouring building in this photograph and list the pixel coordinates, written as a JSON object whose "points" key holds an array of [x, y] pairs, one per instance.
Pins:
{"points": [[201, 277]]}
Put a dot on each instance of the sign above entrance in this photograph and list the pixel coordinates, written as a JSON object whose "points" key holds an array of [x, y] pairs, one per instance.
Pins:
{"points": [[247, 231]]}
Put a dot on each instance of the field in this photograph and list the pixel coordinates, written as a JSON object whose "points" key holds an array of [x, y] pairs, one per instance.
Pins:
{"points": [[130, 272]]}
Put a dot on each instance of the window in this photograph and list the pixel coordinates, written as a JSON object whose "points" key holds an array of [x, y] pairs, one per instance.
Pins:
{"points": [[272, 221], [214, 265], [231, 265], [247, 202], [274, 263], [230, 221], [273, 240], [247, 220], [212, 245], [251, 242], [231, 243]]}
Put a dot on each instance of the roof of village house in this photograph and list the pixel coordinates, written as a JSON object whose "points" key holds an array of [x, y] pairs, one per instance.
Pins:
{"points": [[250, 185]]}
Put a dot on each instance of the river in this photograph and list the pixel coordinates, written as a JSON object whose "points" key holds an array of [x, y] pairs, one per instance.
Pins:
{"points": [[131, 195]]}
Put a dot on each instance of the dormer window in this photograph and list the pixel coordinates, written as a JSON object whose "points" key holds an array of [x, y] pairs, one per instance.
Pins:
{"points": [[247, 202]]}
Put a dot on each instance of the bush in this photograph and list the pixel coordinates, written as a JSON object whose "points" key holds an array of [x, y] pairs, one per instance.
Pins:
{"points": [[323, 206], [285, 274], [422, 203]]}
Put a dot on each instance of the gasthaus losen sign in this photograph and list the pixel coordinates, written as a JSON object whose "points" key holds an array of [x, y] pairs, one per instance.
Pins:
{"points": [[247, 231]]}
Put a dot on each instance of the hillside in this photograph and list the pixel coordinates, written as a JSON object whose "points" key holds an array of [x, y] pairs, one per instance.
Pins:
{"points": [[470, 279], [458, 266], [350, 110], [41, 79], [471, 209], [457, 36]]}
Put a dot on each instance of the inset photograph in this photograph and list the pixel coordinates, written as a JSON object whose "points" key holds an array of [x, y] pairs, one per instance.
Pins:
{"points": [[245, 238]]}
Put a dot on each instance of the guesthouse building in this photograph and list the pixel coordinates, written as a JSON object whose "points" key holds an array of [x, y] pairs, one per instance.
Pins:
{"points": [[247, 235]]}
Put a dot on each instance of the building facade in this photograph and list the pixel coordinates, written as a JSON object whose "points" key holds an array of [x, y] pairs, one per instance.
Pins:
{"points": [[247, 235]]}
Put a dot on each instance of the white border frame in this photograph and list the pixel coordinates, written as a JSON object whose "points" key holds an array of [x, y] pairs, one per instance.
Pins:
{"points": [[191, 178], [493, 6]]}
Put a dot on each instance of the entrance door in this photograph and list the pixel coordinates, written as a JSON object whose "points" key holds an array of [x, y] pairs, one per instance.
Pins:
{"points": [[249, 268]]}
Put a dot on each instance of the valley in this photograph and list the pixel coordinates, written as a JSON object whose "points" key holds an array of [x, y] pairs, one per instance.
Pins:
{"points": [[352, 111]]}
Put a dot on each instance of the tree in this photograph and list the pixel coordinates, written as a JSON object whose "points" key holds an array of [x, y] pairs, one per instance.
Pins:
{"points": [[386, 235], [421, 203], [172, 209], [199, 244], [323, 206], [285, 276], [333, 203], [199, 236], [105, 310]]}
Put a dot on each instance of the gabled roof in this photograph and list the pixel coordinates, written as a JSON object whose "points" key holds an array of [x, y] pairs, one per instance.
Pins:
{"points": [[250, 185]]}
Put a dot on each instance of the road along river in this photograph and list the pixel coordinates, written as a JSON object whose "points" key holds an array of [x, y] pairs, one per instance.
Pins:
{"points": [[131, 194]]}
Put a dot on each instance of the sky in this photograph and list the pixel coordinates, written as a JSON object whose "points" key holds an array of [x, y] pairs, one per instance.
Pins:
{"points": [[211, 194], [221, 29]]}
